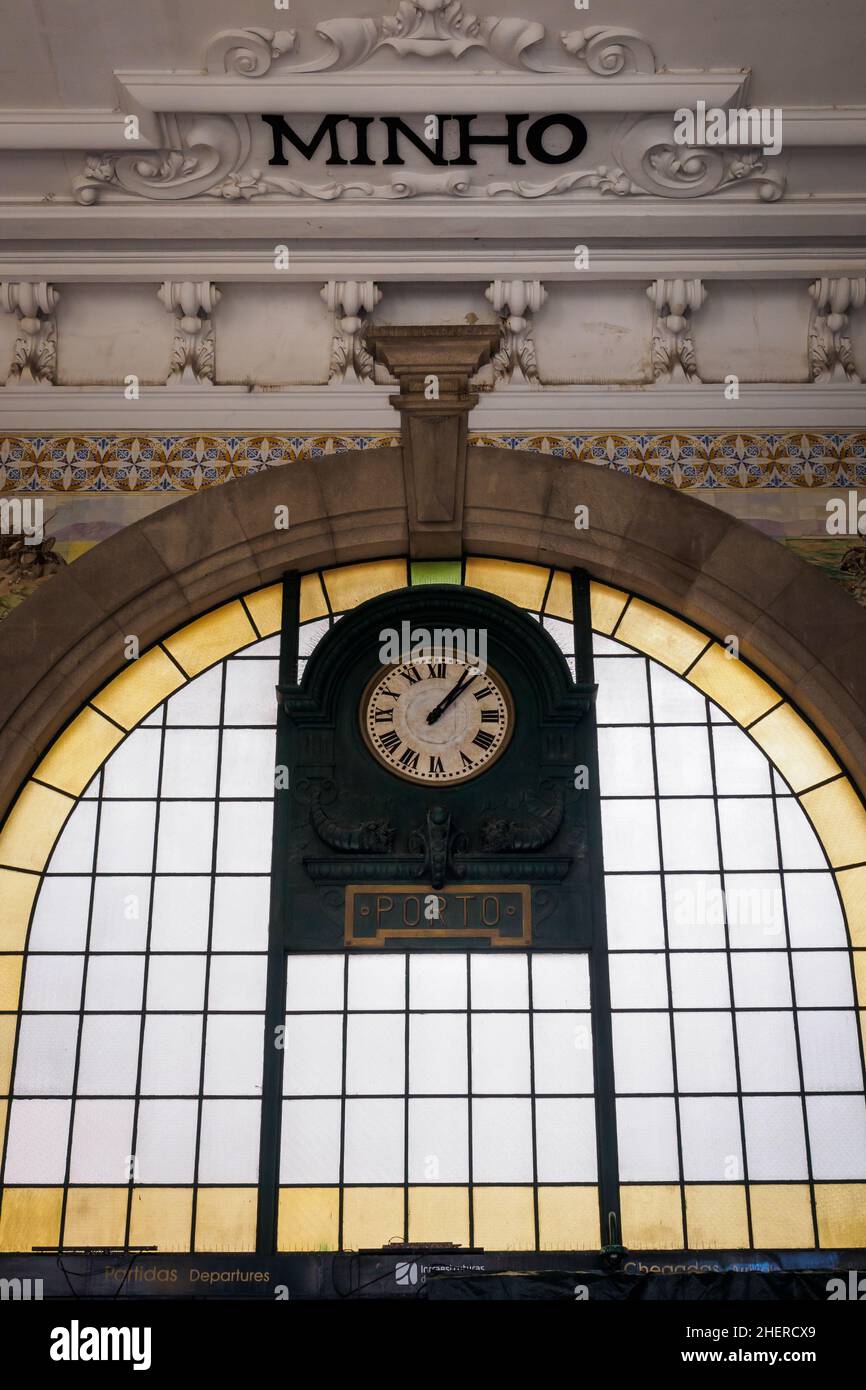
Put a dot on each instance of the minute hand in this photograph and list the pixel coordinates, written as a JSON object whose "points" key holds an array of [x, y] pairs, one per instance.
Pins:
{"points": [[462, 684]]}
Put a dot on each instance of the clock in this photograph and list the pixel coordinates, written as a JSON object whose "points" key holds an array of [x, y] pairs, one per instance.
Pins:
{"points": [[436, 718]]}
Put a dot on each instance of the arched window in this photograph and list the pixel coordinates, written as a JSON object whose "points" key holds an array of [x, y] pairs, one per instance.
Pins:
{"points": [[139, 994]]}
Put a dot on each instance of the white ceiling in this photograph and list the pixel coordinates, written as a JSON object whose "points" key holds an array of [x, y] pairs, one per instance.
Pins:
{"points": [[62, 53]]}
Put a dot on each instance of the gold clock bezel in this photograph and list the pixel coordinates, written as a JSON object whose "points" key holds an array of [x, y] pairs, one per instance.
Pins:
{"points": [[423, 781]]}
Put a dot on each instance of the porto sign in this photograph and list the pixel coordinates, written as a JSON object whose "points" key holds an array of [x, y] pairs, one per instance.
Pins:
{"points": [[355, 140]]}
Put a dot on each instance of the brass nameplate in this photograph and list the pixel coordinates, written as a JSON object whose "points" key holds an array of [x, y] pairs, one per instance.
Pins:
{"points": [[501, 913]]}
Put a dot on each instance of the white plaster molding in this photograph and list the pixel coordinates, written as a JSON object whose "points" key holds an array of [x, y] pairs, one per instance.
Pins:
{"points": [[192, 303], [673, 351], [815, 407], [831, 356], [348, 300], [514, 301], [75, 128], [34, 356]]}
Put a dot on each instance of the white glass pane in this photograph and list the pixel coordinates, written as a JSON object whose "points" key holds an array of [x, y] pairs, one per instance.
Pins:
{"points": [[377, 983], [248, 763], [768, 1052], [689, 839], [245, 833], [562, 634], [437, 980], [501, 1140], [629, 835], [800, 846], [622, 691], [775, 1138], [171, 1060], [53, 982], [133, 768], [696, 911], [113, 983], [102, 1141], [831, 1050], [154, 719], [251, 692], [710, 1129], [46, 1054], [109, 1054], [741, 767], [633, 903], [562, 1053], [233, 1055], [313, 1055], [60, 915], [814, 911], [229, 1149], [438, 1141], [748, 832], [500, 982], [185, 837], [565, 1140], [180, 913], [176, 982], [73, 853], [642, 1053], [625, 761], [683, 756], [311, 634], [437, 1053], [500, 1053], [165, 1143], [705, 1052], [647, 1140], [823, 978], [315, 982], [198, 702], [120, 908], [756, 911], [762, 979], [674, 700], [638, 981], [375, 1054], [560, 981], [373, 1146], [240, 914], [268, 646], [189, 762], [310, 1141], [718, 716], [126, 837], [699, 980], [36, 1146], [605, 646], [837, 1137], [237, 982], [780, 785]]}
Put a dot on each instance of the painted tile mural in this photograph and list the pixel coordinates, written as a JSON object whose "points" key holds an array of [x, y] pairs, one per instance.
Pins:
{"points": [[94, 485]]}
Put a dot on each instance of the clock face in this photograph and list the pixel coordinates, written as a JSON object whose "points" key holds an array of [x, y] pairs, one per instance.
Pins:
{"points": [[437, 720]]}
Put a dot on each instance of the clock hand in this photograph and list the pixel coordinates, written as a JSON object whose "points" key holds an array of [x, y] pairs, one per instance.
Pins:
{"points": [[462, 684]]}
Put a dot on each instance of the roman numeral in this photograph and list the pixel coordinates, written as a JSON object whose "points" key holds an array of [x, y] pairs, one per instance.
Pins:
{"points": [[390, 740], [411, 674], [395, 694], [483, 739], [437, 670], [384, 716], [486, 690], [467, 762], [436, 764], [490, 716], [409, 758]]}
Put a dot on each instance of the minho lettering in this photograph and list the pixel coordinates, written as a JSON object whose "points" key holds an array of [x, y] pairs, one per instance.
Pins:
{"points": [[399, 135]]}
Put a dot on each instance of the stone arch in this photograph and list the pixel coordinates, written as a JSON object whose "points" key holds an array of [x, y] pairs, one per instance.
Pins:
{"points": [[793, 623]]}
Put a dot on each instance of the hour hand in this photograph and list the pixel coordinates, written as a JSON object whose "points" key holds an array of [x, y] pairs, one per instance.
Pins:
{"points": [[438, 710]]}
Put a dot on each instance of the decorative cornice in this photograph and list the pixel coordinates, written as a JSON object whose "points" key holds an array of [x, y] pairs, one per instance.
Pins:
{"points": [[831, 356], [673, 351], [34, 356]]}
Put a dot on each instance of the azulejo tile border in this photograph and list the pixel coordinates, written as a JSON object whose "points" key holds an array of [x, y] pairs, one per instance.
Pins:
{"points": [[190, 461]]}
